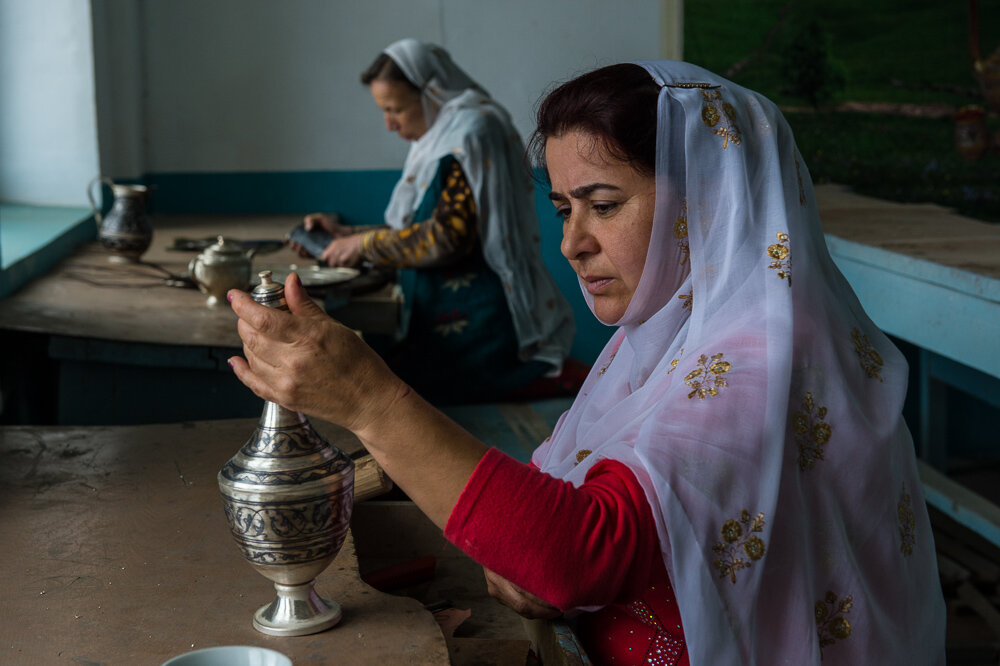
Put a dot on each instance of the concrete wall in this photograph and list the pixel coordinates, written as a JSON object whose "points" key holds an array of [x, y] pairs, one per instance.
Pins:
{"points": [[255, 85], [48, 142]]}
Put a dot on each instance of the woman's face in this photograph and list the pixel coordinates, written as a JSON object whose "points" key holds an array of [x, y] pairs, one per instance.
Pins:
{"points": [[401, 108], [607, 211]]}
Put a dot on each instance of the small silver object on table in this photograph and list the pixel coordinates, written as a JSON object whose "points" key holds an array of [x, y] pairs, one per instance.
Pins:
{"points": [[220, 267], [288, 495]]}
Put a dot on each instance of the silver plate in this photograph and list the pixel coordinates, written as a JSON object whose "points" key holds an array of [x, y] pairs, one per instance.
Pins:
{"points": [[311, 276]]}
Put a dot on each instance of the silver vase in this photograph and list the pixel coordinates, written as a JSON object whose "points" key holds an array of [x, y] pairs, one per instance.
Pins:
{"points": [[288, 495]]}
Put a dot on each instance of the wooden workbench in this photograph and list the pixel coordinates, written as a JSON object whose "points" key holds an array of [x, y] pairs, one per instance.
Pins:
{"points": [[120, 341], [87, 296], [116, 551]]}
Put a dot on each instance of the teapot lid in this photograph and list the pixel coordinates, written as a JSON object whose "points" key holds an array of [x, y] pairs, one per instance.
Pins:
{"points": [[269, 293], [222, 246]]}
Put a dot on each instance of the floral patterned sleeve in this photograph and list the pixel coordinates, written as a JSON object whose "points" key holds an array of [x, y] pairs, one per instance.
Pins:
{"points": [[449, 235]]}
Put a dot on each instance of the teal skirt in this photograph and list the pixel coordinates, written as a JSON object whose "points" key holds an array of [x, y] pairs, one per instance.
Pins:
{"points": [[460, 345]]}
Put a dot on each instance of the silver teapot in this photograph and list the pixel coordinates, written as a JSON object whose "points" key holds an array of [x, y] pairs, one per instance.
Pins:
{"points": [[220, 267], [124, 231]]}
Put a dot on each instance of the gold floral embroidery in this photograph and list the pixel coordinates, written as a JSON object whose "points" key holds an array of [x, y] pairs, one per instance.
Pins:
{"points": [[811, 432], [715, 111], [673, 363], [451, 322], [798, 176], [739, 535], [687, 300], [707, 379], [831, 625], [681, 232], [580, 455], [871, 362], [451, 327], [782, 256], [458, 282], [907, 523]]}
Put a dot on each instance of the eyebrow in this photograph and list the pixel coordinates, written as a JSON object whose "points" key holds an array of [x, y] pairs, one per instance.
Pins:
{"points": [[583, 191]]}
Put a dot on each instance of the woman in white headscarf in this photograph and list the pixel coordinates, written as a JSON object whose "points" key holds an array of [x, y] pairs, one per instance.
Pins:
{"points": [[484, 317], [734, 483]]}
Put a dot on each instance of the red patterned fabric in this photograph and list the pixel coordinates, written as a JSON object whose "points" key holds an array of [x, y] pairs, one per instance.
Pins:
{"points": [[599, 549]]}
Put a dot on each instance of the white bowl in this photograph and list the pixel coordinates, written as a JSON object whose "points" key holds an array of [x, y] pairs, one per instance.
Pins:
{"points": [[231, 655]]}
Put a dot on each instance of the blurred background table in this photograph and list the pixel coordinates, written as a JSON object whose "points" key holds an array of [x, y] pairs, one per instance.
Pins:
{"points": [[81, 339]]}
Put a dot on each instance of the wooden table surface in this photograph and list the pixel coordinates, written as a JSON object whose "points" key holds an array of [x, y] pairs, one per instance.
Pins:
{"points": [[919, 231], [90, 297], [116, 551]]}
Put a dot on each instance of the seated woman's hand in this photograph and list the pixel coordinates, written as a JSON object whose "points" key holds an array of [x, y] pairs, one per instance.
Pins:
{"points": [[306, 361], [329, 223], [520, 601], [343, 251]]}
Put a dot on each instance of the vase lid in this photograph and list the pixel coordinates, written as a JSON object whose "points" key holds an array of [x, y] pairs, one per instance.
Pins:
{"points": [[269, 293]]}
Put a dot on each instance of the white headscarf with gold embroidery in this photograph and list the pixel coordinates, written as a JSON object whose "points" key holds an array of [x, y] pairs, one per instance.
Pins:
{"points": [[465, 122], [759, 408]]}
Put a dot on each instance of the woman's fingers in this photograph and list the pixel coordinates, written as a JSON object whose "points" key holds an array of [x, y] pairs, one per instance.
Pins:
{"points": [[243, 372], [298, 300], [520, 601], [269, 322]]}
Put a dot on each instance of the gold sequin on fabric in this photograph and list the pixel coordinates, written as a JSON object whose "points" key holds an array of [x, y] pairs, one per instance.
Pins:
{"points": [[691, 84], [681, 232], [708, 377], [811, 432], [581, 455], [831, 623], [608, 364], [673, 363], [907, 523], [665, 649], [739, 538], [871, 362], [720, 116], [781, 256], [686, 305]]}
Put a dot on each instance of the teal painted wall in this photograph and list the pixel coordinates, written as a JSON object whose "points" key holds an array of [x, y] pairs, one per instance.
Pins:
{"points": [[360, 197]]}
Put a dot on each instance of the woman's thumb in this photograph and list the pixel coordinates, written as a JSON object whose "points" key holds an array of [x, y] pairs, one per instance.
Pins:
{"points": [[298, 299]]}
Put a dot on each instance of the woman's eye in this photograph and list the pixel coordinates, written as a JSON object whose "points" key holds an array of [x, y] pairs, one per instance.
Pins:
{"points": [[562, 213], [604, 208]]}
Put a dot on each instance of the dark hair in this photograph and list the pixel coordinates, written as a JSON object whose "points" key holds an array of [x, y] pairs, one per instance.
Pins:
{"points": [[384, 68], [615, 104]]}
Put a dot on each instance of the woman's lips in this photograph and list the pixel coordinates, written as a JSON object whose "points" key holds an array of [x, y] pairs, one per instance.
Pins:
{"points": [[595, 284]]}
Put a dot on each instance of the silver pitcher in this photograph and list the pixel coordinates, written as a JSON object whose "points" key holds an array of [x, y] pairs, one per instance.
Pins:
{"points": [[125, 230], [221, 267], [288, 496]]}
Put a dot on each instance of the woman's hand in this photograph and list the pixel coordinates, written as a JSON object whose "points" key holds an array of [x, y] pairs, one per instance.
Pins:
{"points": [[522, 602], [343, 251], [306, 361], [329, 223]]}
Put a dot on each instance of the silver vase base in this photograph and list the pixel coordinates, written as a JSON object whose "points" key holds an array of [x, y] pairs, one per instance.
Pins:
{"points": [[297, 611]]}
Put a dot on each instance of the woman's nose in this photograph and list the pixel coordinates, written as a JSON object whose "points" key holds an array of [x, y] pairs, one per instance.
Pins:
{"points": [[576, 240], [390, 124]]}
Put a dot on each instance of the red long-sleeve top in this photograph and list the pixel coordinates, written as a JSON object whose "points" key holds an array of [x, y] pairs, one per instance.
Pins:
{"points": [[592, 545]]}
